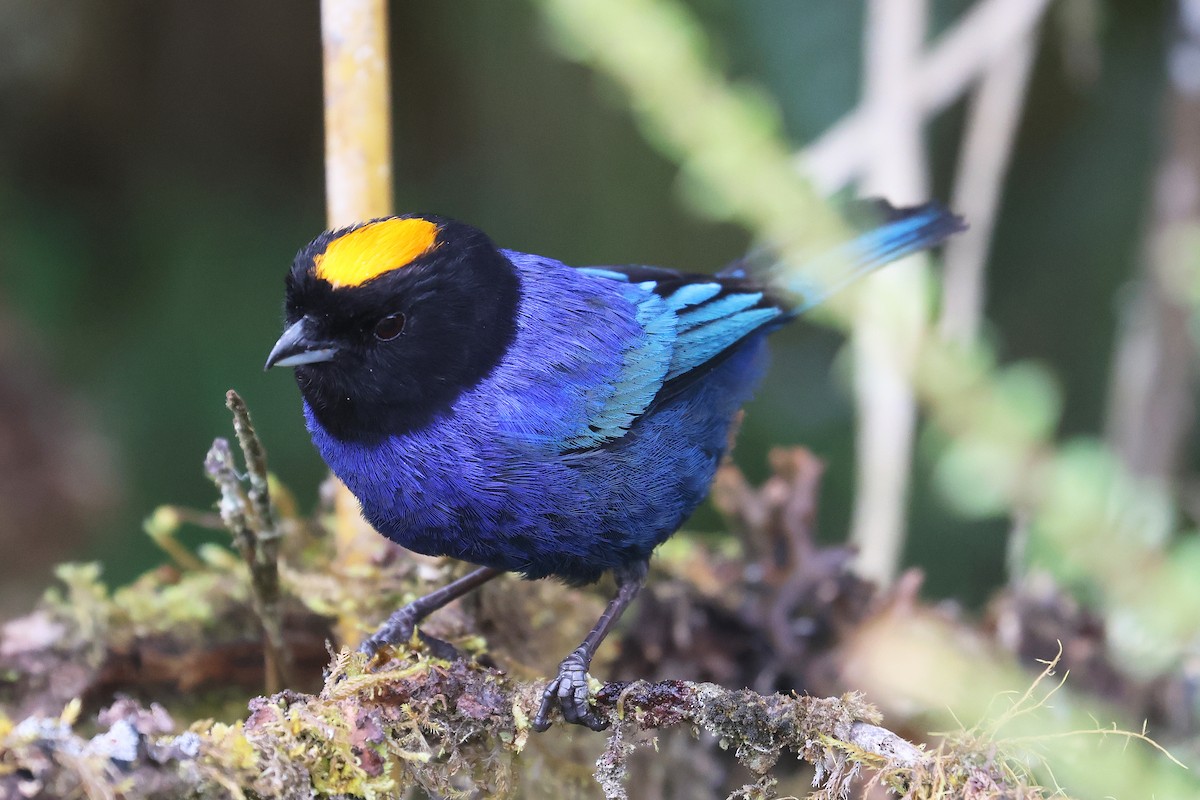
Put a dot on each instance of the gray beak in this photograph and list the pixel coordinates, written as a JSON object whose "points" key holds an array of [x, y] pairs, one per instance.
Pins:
{"points": [[297, 346]]}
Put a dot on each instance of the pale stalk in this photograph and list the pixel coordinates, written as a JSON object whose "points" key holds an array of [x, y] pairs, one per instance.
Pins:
{"points": [[892, 316], [358, 186]]}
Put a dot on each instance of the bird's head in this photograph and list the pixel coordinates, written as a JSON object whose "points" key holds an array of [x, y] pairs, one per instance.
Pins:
{"points": [[388, 321]]}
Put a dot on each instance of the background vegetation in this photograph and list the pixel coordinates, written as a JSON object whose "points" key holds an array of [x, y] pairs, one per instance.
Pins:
{"points": [[162, 162]]}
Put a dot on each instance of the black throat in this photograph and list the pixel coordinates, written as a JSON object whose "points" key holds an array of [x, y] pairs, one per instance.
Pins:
{"points": [[461, 321]]}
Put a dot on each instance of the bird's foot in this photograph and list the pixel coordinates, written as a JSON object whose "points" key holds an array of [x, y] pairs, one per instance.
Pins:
{"points": [[397, 629], [569, 690]]}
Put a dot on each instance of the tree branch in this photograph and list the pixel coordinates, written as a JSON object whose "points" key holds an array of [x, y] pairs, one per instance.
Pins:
{"points": [[985, 33]]}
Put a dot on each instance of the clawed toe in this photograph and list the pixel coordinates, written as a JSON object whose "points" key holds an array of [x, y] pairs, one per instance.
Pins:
{"points": [[372, 648], [569, 691], [397, 629], [381, 647]]}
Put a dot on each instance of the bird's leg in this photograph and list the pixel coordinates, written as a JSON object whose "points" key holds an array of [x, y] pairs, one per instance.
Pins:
{"points": [[400, 625], [570, 688]]}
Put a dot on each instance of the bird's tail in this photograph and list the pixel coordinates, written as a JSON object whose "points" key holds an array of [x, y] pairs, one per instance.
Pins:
{"points": [[899, 232]]}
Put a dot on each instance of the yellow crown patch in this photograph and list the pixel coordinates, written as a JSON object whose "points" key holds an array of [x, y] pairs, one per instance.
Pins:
{"points": [[374, 249]]}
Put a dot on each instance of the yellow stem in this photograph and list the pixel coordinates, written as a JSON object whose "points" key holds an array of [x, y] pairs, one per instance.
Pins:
{"points": [[358, 122], [358, 186]]}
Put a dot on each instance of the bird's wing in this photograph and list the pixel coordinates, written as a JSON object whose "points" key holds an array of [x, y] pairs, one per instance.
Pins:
{"points": [[689, 322], [711, 313], [605, 344], [597, 347]]}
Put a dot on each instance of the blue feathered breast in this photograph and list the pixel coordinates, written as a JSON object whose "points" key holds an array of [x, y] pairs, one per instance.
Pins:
{"points": [[590, 442]]}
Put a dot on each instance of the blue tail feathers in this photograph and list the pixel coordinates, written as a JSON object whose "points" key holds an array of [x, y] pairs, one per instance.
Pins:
{"points": [[899, 232]]}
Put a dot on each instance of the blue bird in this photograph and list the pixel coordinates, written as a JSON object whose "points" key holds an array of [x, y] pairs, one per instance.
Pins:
{"points": [[508, 410]]}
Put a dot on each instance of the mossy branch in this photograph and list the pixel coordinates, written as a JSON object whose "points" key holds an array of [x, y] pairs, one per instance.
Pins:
{"points": [[451, 728], [461, 727]]}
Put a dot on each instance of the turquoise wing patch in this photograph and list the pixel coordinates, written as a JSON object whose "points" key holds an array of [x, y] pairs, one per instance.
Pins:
{"points": [[684, 321], [613, 408], [707, 329]]}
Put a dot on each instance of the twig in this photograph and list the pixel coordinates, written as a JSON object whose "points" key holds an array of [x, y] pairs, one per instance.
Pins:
{"points": [[248, 517], [987, 32], [256, 464], [221, 470], [264, 569], [161, 526], [987, 146], [892, 316], [881, 143]]}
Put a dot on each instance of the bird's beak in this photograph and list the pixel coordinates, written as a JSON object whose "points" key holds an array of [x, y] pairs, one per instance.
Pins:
{"points": [[298, 346]]}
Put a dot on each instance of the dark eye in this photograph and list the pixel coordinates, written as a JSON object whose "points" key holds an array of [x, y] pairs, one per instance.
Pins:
{"points": [[389, 327]]}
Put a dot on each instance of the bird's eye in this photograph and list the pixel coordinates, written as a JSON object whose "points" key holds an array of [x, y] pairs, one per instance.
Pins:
{"points": [[389, 327]]}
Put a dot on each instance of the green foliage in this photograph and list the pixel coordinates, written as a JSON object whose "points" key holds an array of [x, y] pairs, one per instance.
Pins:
{"points": [[1090, 524]]}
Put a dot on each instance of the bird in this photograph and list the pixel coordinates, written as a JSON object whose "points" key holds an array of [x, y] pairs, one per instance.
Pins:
{"points": [[526, 416]]}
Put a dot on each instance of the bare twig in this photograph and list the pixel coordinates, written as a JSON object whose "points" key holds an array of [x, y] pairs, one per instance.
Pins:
{"points": [[987, 32], [881, 145], [161, 527], [248, 517], [256, 463], [892, 317], [987, 145]]}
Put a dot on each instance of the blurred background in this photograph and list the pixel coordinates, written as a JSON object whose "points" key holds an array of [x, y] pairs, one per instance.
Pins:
{"points": [[161, 162]]}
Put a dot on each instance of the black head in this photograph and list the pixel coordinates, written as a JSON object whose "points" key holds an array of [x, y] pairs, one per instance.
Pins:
{"points": [[390, 320]]}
